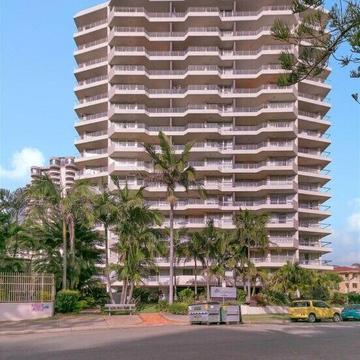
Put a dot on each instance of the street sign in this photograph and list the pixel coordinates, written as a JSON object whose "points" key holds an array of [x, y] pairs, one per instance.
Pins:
{"points": [[223, 292]]}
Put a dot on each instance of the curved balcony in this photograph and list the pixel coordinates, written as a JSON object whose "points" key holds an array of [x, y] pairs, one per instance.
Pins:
{"points": [[314, 227], [119, 32], [286, 128], [128, 51], [91, 173], [225, 110], [195, 70], [216, 204], [285, 148], [226, 15], [202, 90], [314, 191], [315, 264], [90, 27]]}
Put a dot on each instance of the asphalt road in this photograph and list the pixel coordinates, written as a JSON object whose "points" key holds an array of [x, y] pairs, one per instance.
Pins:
{"points": [[292, 341]]}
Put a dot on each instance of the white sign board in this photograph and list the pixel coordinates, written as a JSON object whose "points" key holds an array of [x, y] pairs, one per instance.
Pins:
{"points": [[223, 292]]}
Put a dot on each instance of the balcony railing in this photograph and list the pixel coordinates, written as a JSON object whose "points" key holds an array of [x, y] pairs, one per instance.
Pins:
{"points": [[93, 116], [215, 126], [216, 107], [91, 25], [203, 10], [92, 98], [181, 34], [201, 50], [92, 62], [92, 80], [92, 43], [193, 68], [314, 170], [204, 88]]}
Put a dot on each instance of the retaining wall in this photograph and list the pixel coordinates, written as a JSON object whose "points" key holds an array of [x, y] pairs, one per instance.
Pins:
{"points": [[25, 311]]}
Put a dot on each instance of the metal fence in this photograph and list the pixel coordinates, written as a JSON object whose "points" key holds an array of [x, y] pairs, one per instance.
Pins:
{"points": [[26, 288]]}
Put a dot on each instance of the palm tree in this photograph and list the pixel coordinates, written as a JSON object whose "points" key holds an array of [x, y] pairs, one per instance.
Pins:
{"points": [[105, 212], [291, 279], [250, 233], [194, 250], [171, 170], [47, 249], [138, 240], [45, 198], [12, 237]]}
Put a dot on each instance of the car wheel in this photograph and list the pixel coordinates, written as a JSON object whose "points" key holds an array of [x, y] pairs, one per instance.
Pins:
{"points": [[311, 318], [336, 317]]}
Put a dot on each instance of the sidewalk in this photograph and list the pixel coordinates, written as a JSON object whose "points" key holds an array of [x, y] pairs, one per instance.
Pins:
{"points": [[66, 323], [62, 323]]}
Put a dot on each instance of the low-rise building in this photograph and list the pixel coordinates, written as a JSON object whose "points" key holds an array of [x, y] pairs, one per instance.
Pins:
{"points": [[350, 278], [61, 170]]}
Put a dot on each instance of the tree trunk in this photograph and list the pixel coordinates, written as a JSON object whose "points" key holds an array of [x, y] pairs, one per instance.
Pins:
{"points": [[171, 248], [107, 270], [124, 291], [207, 284], [130, 293], [248, 278], [195, 283], [64, 281]]}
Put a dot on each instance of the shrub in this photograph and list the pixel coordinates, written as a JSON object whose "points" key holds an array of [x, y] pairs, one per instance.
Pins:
{"points": [[276, 297], [163, 305], [241, 296], [82, 305], [186, 296], [259, 299], [66, 301], [178, 308], [353, 298], [146, 296], [339, 298], [94, 292]]}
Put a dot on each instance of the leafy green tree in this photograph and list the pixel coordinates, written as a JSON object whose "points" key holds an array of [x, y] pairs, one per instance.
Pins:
{"points": [[105, 212], [139, 239], [47, 233], [320, 36], [250, 233], [13, 242], [194, 250], [292, 280], [172, 170], [46, 198]]}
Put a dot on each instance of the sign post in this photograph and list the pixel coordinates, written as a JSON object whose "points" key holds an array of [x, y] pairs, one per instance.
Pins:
{"points": [[223, 293]]}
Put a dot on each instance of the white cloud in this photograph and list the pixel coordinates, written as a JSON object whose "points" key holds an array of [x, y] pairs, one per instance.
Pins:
{"points": [[21, 162], [354, 221]]}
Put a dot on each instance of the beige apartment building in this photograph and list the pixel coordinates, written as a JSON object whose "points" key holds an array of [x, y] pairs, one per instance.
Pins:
{"points": [[61, 170], [350, 276], [206, 71]]}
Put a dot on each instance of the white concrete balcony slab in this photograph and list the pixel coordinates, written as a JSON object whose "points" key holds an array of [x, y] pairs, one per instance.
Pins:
{"points": [[284, 127], [194, 70], [181, 93], [123, 51], [119, 32], [287, 107], [138, 12]]}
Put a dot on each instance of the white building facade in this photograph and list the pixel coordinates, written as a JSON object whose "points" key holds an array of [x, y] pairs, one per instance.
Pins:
{"points": [[206, 74]]}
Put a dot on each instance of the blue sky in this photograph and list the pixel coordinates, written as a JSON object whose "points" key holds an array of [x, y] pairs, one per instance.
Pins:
{"points": [[37, 118]]}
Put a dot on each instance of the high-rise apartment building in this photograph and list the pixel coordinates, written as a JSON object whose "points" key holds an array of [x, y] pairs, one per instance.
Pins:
{"points": [[206, 74], [61, 170]]}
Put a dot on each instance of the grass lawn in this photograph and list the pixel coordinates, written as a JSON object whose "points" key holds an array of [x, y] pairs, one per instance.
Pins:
{"points": [[150, 308], [265, 317]]}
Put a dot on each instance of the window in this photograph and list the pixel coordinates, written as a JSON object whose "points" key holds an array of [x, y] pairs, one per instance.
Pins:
{"points": [[187, 272], [320, 304], [354, 285], [300, 304]]}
